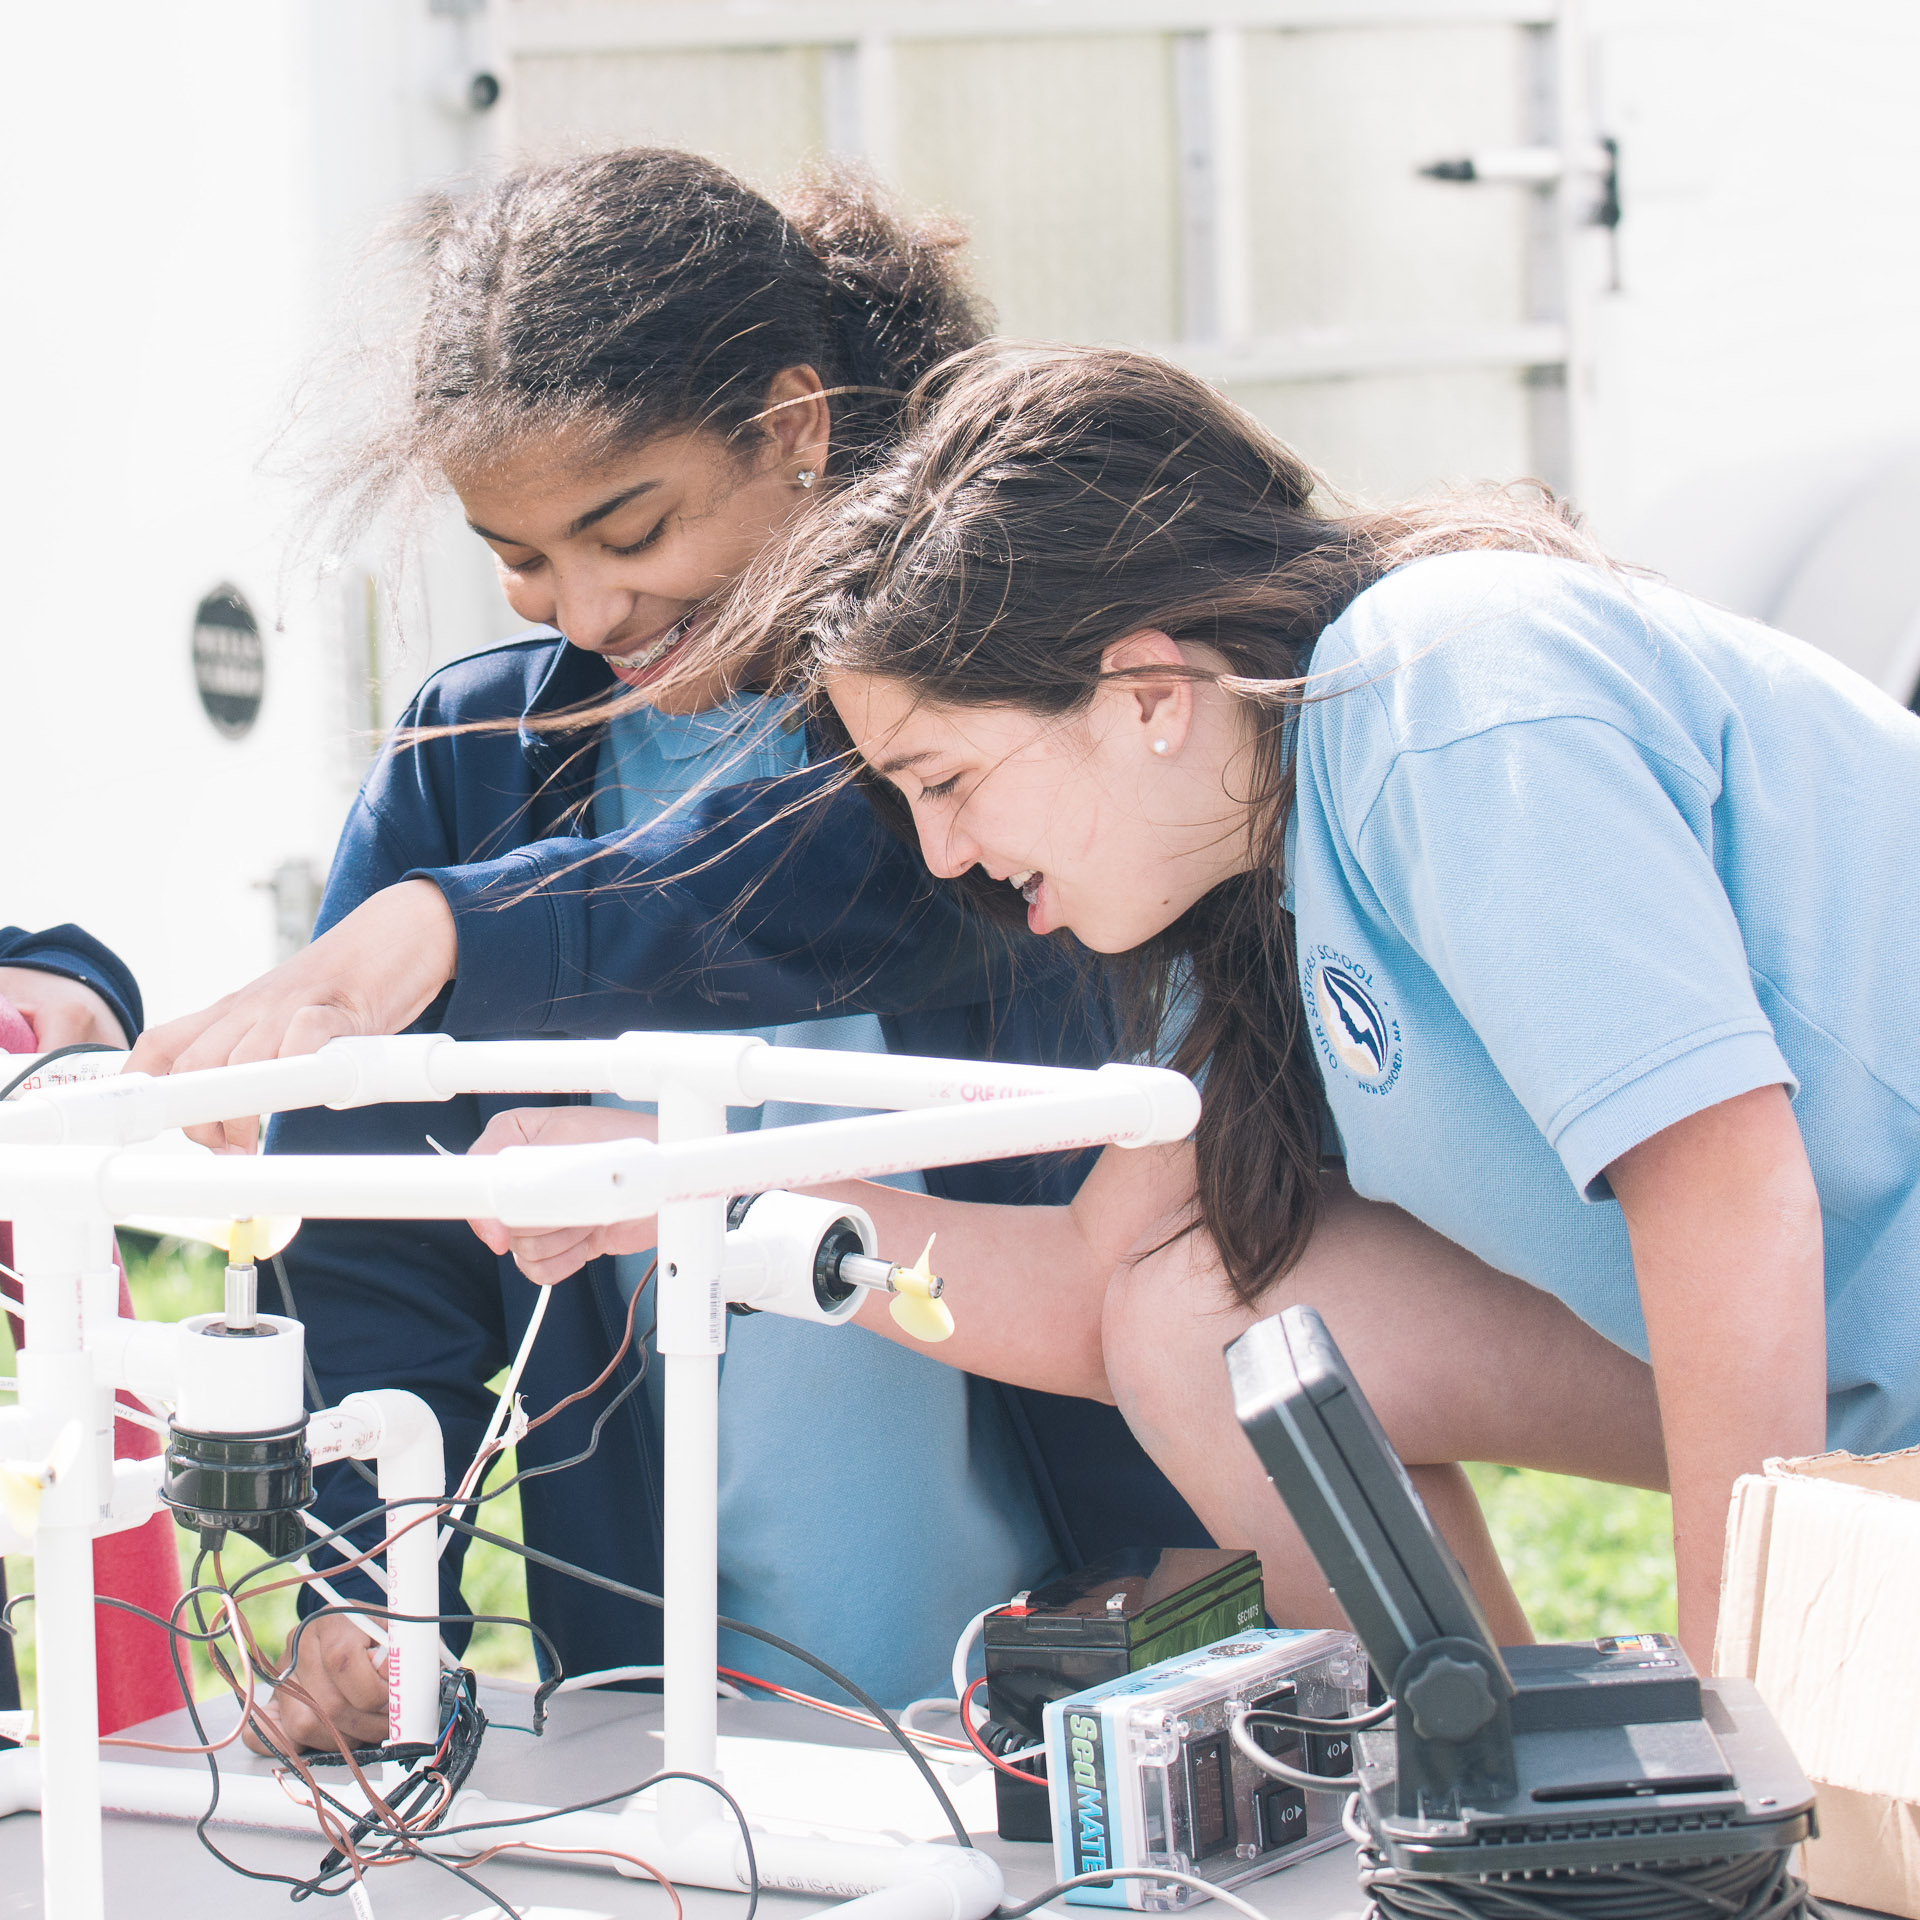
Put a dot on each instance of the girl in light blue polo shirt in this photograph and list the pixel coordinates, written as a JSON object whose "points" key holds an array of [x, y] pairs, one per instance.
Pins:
{"points": [[1580, 919]]}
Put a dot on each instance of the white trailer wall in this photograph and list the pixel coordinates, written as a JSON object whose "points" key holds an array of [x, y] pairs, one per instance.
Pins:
{"points": [[185, 185], [1234, 182]]}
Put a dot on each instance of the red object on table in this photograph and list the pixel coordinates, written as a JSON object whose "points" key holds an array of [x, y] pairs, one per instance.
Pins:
{"points": [[141, 1565]]}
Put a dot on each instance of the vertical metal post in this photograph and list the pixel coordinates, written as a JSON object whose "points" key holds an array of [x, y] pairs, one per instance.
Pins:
{"points": [[859, 102], [1572, 209], [1216, 251], [691, 1332], [1549, 453]]}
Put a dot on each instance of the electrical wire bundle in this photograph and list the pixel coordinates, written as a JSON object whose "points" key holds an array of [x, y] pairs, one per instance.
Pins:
{"points": [[394, 1826], [1759, 1886], [1755, 1887]]}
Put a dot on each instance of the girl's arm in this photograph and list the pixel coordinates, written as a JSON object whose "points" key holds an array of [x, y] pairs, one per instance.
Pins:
{"points": [[771, 901], [1725, 1227], [1027, 1285]]}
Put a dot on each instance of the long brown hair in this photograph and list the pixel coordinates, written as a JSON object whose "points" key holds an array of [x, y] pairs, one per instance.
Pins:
{"points": [[1044, 504]]}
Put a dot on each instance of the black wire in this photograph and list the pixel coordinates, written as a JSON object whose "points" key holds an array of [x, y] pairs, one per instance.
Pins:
{"points": [[300, 1888], [474, 1501], [1306, 1723], [305, 1888], [627, 1793], [213, 1764], [1759, 1886], [44, 1059], [541, 1694], [839, 1679], [593, 1438]]}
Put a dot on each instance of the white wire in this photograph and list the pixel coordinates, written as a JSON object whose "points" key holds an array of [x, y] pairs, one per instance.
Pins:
{"points": [[503, 1408], [1205, 1888], [963, 1649], [603, 1677], [932, 1704], [324, 1532]]}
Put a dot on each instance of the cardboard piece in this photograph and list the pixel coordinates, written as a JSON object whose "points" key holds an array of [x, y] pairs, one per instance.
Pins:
{"points": [[1817, 1608]]}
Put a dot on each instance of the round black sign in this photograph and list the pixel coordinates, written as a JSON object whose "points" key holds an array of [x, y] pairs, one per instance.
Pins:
{"points": [[229, 663]]}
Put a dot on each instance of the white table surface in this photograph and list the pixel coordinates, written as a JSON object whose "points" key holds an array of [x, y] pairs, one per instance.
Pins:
{"points": [[594, 1744]]}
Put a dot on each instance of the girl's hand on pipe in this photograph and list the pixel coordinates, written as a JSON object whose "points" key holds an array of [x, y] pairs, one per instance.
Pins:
{"points": [[547, 1255], [61, 1012], [375, 973], [345, 1674]]}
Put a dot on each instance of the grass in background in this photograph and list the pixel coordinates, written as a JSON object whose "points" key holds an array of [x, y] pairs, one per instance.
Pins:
{"points": [[171, 1279], [1586, 1559]]}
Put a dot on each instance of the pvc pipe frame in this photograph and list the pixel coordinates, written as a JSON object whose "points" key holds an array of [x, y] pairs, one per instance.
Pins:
{"points": [[64, 1177]]}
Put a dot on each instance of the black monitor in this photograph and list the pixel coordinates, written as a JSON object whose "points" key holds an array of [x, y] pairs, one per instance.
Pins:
{"points": [[1560, 1758], [1348, 1493]]}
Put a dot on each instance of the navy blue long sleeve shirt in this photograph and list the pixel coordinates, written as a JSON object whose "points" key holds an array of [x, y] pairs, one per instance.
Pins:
{"points": [[769, 902]]}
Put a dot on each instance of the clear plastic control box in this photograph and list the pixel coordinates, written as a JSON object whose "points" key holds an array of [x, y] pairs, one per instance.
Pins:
{"points": [[1142, 1770]]}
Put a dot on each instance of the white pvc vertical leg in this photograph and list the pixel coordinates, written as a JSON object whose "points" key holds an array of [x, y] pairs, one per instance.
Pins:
{"points": [[58, 1394], [404, 1438], [691, 1335]]}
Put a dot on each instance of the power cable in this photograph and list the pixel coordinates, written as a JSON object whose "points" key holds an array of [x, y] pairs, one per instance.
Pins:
{"points": [[893, 1728]]}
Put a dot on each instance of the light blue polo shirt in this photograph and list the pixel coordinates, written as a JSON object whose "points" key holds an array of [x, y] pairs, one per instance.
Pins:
{"points": [[1574, 857], [872, 1499]]}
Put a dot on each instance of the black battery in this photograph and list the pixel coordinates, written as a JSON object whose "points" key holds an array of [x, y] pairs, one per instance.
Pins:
{"points": [[1120, 1614]]}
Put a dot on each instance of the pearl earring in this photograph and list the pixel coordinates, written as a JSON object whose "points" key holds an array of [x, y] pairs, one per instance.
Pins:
{"points": [[805, 477], [1160, 746]]}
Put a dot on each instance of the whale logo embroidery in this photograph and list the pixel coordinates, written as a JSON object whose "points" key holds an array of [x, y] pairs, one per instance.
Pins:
{"points": [[1355, 1027]]}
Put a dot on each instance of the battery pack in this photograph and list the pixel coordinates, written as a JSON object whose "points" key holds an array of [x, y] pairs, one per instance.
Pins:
{"points": [[1143, 1772], [1114, 1616]]}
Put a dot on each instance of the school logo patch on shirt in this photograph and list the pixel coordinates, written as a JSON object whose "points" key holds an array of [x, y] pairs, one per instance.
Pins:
{"points": [[1353, 1025]]}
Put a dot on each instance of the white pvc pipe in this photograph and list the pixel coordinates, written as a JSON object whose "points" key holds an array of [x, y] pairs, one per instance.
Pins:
{"points": [[545, 1186], [690, 1331], [740, 1070], [61, 1195], [134, 1106], [917, 1881], [403, 1438], [59, 1395]]}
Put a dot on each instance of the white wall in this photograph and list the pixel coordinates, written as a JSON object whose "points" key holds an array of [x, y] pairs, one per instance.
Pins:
{"points": [[1770, 251], [189, 186], [185, 186]]}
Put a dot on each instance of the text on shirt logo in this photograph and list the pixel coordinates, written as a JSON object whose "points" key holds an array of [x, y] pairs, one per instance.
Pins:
{"points": [[1353, 1026]]}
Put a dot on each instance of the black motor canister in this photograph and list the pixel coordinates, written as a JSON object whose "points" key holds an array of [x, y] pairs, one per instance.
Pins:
{"points": [[249, 1483]]}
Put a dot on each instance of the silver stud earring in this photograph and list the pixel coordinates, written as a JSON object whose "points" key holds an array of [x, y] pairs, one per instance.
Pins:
{"points": [[1160, 746], [805, 477]]}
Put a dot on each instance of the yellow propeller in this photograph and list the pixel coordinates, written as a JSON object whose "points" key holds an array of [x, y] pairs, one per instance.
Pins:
{"points": [[268, 1234], [916, 1305], [22, 1482], [20, 1491]]}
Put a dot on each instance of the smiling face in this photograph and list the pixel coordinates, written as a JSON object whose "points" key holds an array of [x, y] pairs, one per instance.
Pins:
{"points": [[626, 553], [1111, 821]]}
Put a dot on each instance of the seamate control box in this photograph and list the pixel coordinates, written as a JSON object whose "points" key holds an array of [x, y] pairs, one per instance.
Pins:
{"points": [[1142, 1770], [1118, 1615]]}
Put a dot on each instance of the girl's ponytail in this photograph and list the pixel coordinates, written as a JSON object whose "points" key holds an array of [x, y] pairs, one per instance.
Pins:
{"points": [[646, 291], [898, 301]]}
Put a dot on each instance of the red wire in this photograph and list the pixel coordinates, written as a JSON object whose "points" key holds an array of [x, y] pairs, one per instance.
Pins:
{"points": [[980, 1746]]}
